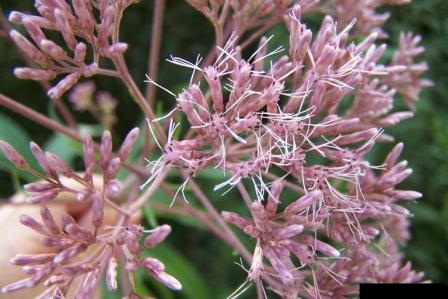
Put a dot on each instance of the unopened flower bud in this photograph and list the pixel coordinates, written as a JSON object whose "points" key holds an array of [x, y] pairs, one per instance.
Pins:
{"points": [[105, 149], [48, 220], [157, 235], [97, 209], [27, 73], [36, 259], [80, 53], [13, 156], [168, 280], [42, 197], [63, 86], [59, 165], [128, 144], [152, 264], [65, 28], [114, 50]]}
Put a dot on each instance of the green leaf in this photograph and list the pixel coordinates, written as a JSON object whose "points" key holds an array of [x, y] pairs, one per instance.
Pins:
{"points": [[193, 285]]}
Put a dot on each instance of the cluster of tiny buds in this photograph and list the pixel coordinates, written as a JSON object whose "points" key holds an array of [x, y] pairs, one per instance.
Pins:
{"points": [[81, 32], [57, 174], [72, 242]]}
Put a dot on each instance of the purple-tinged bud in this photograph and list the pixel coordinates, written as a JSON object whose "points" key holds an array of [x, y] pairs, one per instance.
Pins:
{"points": [[17, 17], [56, 242], [168, 280], [80, 53], [235, 219], [63, 86], [113, 168], [357, 137], [258, 211], [64, 27], [88, 152], [157, 235], [152, 264], [394, 118], [33, 30], [392, 157], [97, 209], [289, 231], [274, 197], [392, 179], [341, 126], [111, 274], [211, 75], [114, 50], [42, 197], [128, 144], [38, 186], [48, 220], [113, 189], [37, 259], [105, 149], [27, 73], [302, 252], [106, 26], [42, 159], [401, 210], [18, 285], [83, 10], [28, 48], [304, 202], [59, 165], [67, 219], [77, 269], [78, 232], [321, 246], [33, 224], [70, 252], [405, 194], [52, 49], [285, 275], [366, 43], [13, 156]]}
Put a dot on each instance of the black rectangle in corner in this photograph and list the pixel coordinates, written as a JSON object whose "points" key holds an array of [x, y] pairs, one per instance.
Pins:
{"points": [[396, 290]]}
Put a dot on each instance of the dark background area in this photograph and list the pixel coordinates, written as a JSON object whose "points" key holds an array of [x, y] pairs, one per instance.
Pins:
{"points": [[186, 33]]}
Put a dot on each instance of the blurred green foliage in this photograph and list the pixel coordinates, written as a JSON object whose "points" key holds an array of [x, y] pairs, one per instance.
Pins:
{"points": [[192, 253]]}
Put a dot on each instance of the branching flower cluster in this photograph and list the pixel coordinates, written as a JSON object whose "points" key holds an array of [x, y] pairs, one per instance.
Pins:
{"points": [[299, 119]]}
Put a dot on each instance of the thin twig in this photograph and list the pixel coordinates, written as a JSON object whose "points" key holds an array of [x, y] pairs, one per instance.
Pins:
{"points": [[154, 55]]}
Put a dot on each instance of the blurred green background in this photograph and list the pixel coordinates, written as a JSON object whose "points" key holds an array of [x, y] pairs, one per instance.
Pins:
{"points": [[200, 261]]}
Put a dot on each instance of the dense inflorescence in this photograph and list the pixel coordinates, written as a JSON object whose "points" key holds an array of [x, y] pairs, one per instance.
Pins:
{"points": [[301, 120]]}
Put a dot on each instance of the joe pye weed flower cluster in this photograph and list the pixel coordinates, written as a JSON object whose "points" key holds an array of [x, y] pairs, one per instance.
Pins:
{"points": [[289, 130]]}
